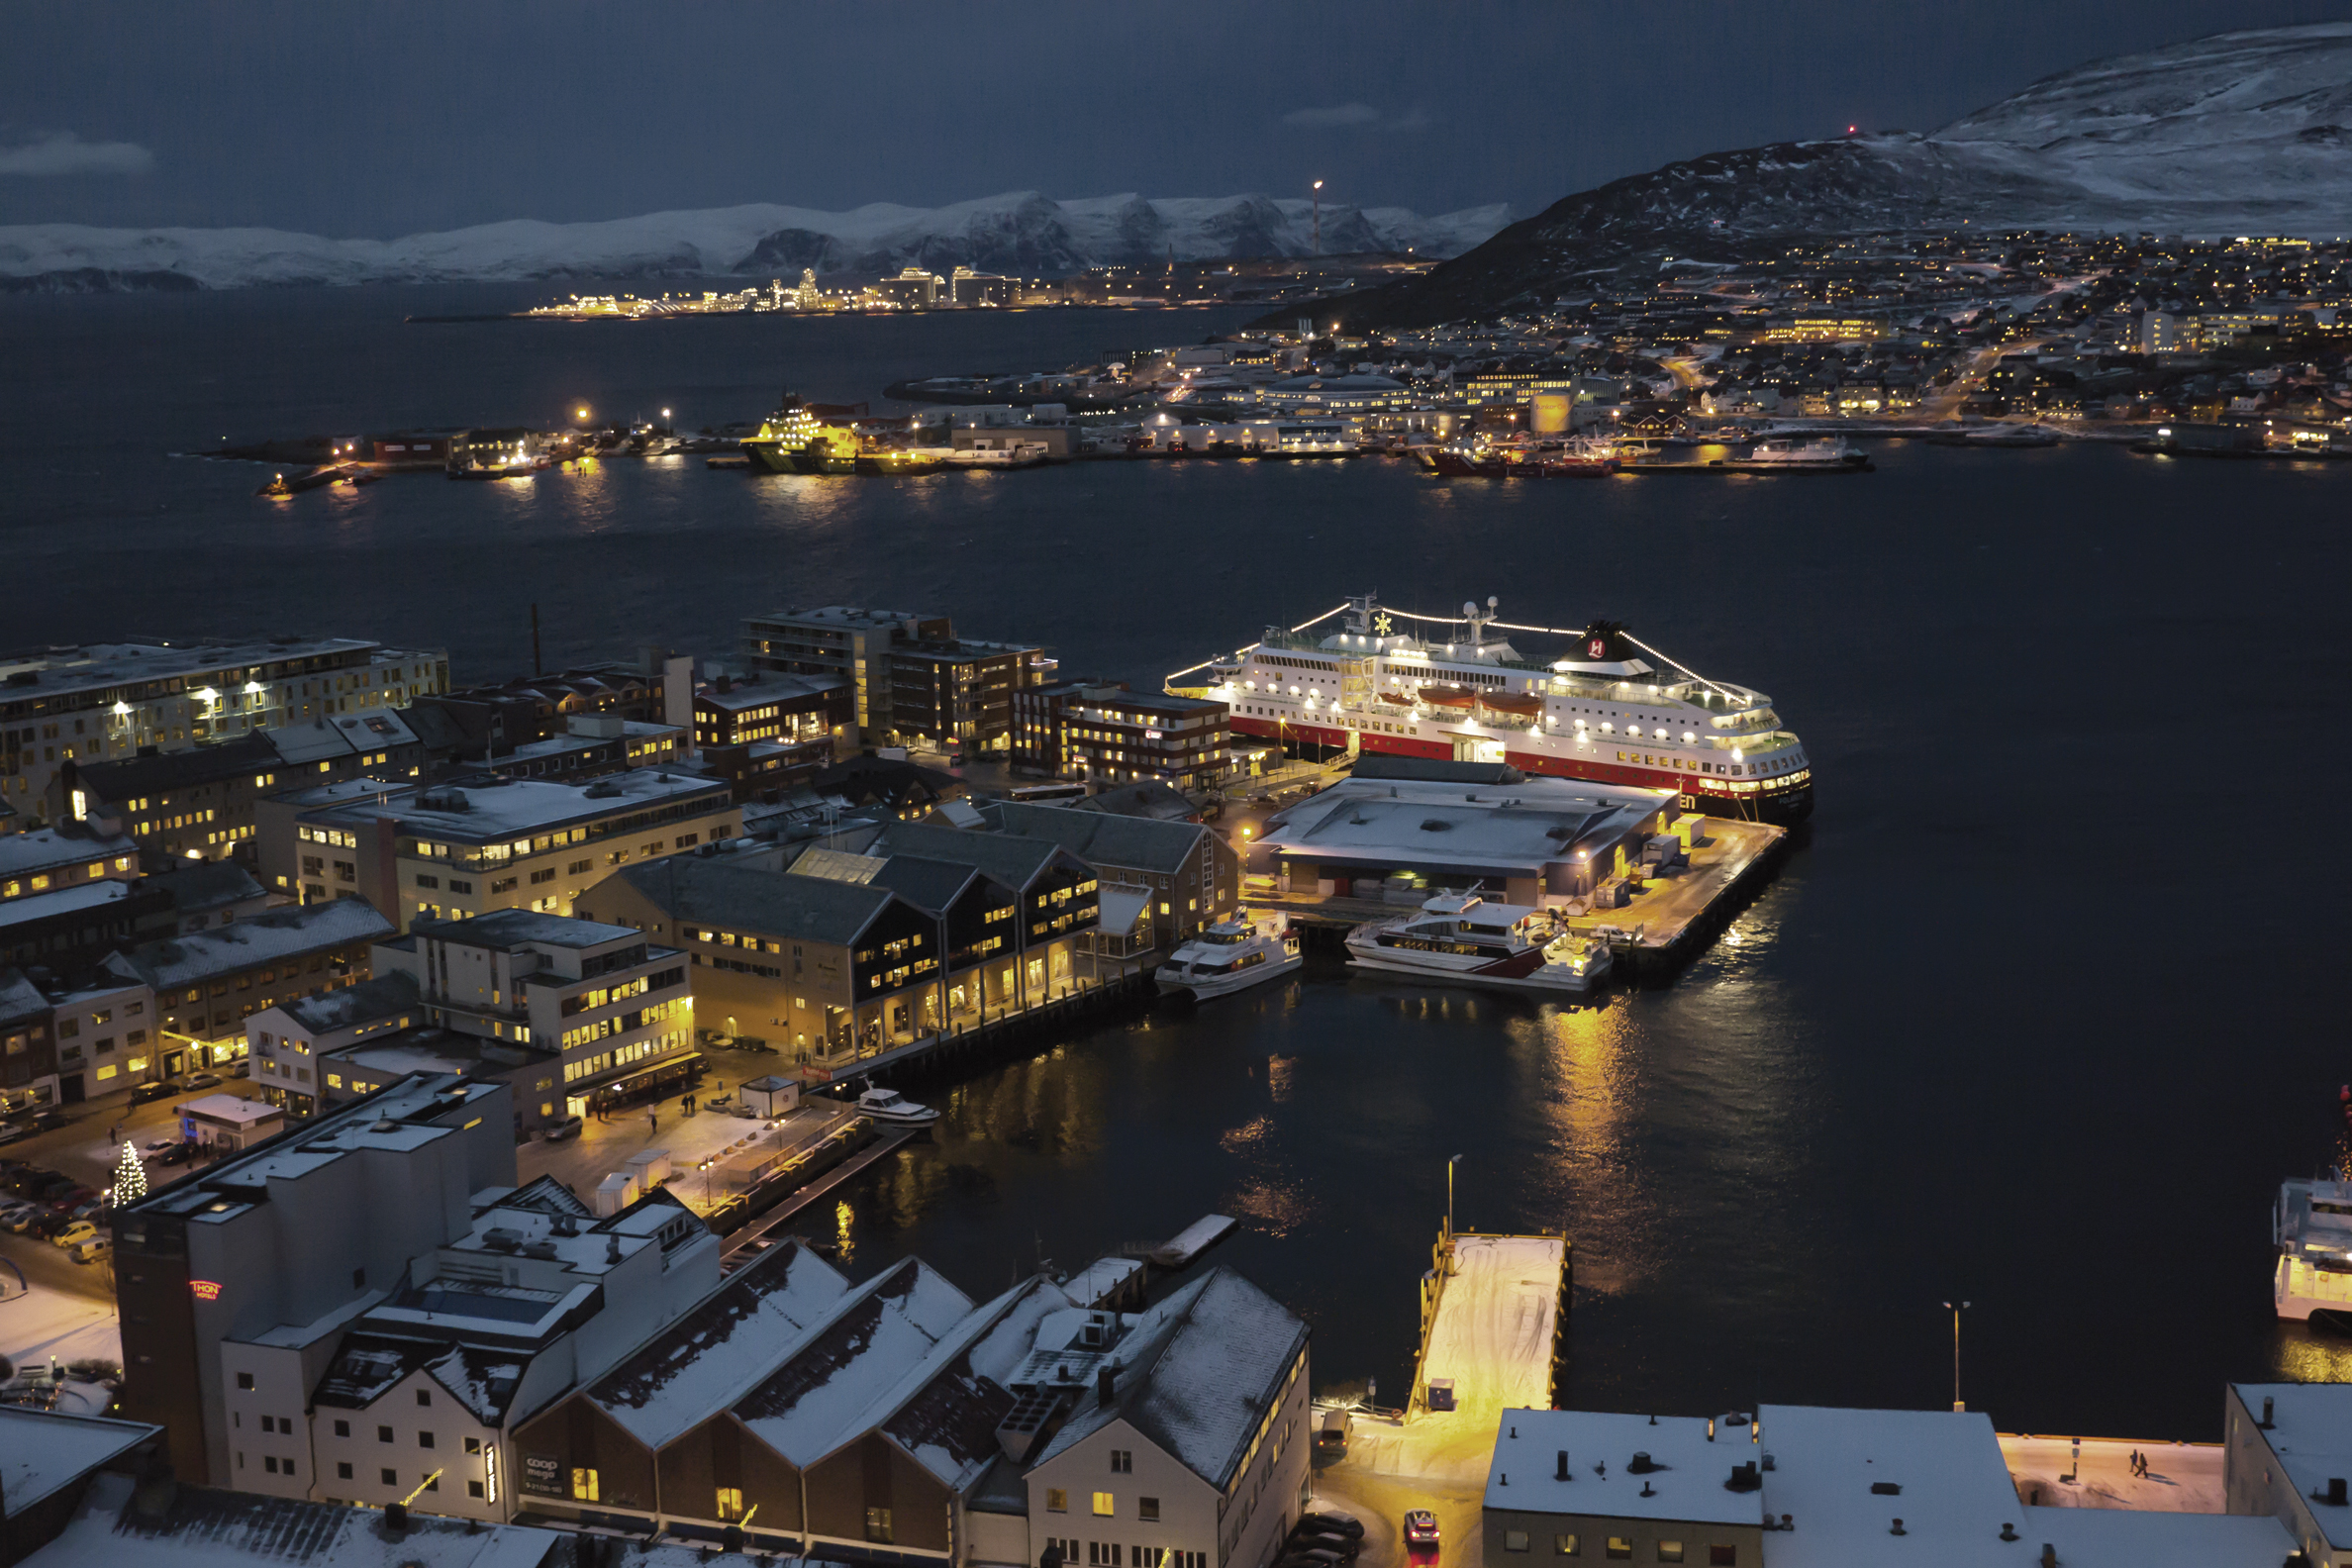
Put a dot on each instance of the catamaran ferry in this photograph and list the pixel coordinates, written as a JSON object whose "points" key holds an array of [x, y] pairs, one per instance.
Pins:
{"points": [[1612, 708]]}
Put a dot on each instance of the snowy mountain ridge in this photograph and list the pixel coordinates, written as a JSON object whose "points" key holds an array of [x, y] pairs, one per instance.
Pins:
{"points": [[2239, 133], [1022, 232]]}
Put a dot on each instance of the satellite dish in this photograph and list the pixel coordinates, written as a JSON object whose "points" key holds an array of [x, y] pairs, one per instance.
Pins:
{"points": [[1469, 607], [1492, 601]]}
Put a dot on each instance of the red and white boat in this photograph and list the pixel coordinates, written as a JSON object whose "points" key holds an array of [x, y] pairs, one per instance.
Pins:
{"points": [[1607, 706]]}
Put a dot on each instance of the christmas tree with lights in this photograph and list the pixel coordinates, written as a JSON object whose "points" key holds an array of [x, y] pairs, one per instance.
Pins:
{"points": [[130, 1177]]}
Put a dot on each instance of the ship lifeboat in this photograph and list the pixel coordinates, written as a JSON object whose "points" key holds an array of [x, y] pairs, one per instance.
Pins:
{"points": [[1516, 705], [1449, 697]]}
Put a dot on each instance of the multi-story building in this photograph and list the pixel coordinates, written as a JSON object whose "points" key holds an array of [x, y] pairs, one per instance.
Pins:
{"points": [[495, 720], [208, 983], [101, 1025], [105, 702], [27, 1054], [481, 842], [911, 678], [1100, 730], [199, 803], [69, 859], [899, 1421], [1190, 874], [774, 732], [358, 1313]]}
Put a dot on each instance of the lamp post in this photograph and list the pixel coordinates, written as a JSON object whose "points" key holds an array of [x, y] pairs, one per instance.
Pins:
{"points": [[1956, 1309], [1449, 1184], [1319, 216]]}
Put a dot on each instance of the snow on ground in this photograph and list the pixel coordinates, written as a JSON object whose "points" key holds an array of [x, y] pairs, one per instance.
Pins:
{"points": [[45, 1323]]}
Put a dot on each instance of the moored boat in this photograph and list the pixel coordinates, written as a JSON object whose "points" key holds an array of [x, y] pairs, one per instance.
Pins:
{"points": [[887, 1104], [1463, 939], [1227, 956]]}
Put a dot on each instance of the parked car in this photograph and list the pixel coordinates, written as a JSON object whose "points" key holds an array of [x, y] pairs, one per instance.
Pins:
{"points": [[162, 1089], [181, 1154], [1331, 1440], [154, 1146], [204, 1080], [1420, 1528], [1338, 1525], [75, 1232], [90, 1250], [568, 1127], [48, 1121], [17, 1215], [73, 1198]]}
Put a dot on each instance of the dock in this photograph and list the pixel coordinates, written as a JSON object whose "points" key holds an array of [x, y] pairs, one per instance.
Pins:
{"points": [[1188, 1243], [788, 1204], [1670, 915], [1494, 1311]]}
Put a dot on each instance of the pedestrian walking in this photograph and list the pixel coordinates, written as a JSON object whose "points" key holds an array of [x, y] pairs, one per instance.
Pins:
{"points": [[653, 1121]]}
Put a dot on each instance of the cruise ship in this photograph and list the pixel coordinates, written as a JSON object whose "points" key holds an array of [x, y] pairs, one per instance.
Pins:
{"points": [[1611, 709]]}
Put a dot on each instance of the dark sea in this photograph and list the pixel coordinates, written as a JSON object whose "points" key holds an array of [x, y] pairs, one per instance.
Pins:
{"points": [[2036, 1015]]}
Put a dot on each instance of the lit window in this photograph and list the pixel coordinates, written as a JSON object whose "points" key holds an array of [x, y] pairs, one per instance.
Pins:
{"points": [[1056, 1501], [1515, 1540], [731, 1503], [1565, 1546], [1105, 1504], [584, 1484]]}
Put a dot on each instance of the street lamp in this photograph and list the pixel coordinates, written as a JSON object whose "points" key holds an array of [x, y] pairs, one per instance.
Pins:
{"points": [[1956, 1309], [1319, 216], [1449, 1184]]}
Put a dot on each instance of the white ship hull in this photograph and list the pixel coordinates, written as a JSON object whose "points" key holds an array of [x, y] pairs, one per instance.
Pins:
{"points": [[1208, 987]]}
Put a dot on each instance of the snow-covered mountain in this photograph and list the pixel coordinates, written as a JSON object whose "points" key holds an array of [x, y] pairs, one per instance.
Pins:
{"points": [[1022, 232], [2234, 134]]}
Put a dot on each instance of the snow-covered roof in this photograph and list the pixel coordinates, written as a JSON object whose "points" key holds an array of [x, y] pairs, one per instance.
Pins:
{"points": [[41, 1451], [1956, 1487], [279, 933], [2113, 1537], [387, 996], [1197, 1374], [944, 1412], [808, 1407], [41, 848], [62, 901], [368, 1366], [735, 1335], [2310, 1432], [1472, 826], [198, 1527], [1686, 1481]]}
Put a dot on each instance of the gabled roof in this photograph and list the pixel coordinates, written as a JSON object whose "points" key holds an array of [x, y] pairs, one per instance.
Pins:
{"points": [[929, 885], [1197, 1375], [813, 1403], [368, 1366], [1013, 861], [1101, 838], [945, 1412], [692, 889], [169, 770], [739, 1333]]}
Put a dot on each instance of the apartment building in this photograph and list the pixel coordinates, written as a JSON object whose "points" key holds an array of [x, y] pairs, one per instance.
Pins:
{"points": [[106, 702], [199, 803], [207, 983], [1191, 875], [911, 678], [483, 842], [1100, 731]]}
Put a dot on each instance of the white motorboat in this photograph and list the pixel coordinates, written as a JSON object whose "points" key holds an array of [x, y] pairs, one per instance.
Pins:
{"points": [[887, 1104], [1227, 956], [2312, 1231], [1460, 937]]}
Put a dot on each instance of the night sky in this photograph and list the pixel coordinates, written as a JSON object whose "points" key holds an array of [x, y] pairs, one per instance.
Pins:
{"points": [[390, 118]]}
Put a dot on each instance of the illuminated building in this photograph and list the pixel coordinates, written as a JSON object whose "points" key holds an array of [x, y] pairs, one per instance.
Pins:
{"points": [[207, 983], [1104, 731], [910, 676], [479, 843], [1824, 328], [103, 702], [362, 1317]]}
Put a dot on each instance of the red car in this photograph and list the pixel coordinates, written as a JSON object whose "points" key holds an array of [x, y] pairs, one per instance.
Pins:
{"points": [[1420, 1528]]}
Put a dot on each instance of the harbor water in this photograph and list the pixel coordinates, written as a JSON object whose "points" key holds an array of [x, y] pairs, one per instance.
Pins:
{"points": [[2035, 1015]]}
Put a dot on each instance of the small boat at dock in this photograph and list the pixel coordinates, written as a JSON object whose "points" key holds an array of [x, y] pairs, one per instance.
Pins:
{"points": [[316, 478], [887, 1104], [1463, 939], [1227, 956]]}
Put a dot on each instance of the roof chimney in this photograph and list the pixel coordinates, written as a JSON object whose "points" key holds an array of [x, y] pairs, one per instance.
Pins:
{"points": [[2266, 1413], [1561, 1474], [2049, 1557], [1107, 1382]]}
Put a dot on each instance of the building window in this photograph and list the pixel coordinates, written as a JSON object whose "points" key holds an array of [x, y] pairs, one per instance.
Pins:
{"points": [[731, 1506], [390, 1478], [473, 1446], [1105, 1504], [1122, 1461], [1670, 1551], [423, 1440], [1621, 1546], [1566, 1547], [269, 1463], [1147, 1509], [342, 1429], [383, 1434], [245, 1379], [424, 1396], [473, 1488], [1515, 1540], [1723, 1557], [878, 1524], [1056, 1501], [584, 1484], [343, 1472]]}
